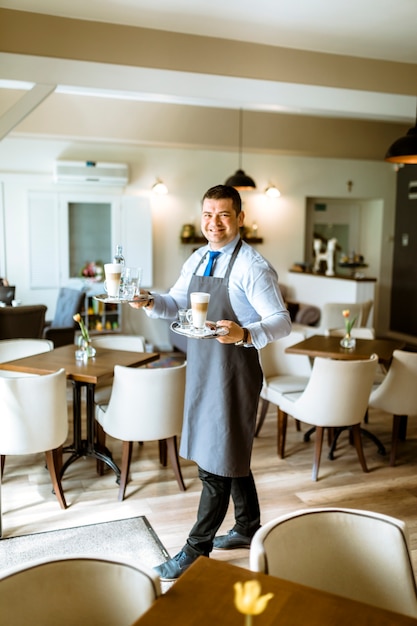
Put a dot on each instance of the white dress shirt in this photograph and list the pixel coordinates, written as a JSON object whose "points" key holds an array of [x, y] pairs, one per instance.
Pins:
{"points": [[253, 291]]}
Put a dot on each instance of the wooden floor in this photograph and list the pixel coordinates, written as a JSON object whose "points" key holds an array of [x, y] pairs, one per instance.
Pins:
{"points": [[283, 486]]}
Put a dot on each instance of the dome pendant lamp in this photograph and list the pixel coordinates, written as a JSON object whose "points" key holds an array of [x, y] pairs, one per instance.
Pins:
{"points": [[240, 180], [404, 150]]}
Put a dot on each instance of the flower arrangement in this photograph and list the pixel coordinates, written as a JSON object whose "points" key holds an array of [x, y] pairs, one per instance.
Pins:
{"points": [[84, 331], [348, 322], [92, 270], [248, 599]]}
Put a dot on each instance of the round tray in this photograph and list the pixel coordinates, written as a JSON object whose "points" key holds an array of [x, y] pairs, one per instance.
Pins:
{"points": [[104, 297], [211, 331]]}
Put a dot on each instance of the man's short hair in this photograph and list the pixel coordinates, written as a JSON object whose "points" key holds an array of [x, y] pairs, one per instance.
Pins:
{"points": [[225, 191]]}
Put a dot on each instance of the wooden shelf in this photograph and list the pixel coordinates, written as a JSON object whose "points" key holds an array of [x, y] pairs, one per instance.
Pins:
{"points": [[203, 240]]}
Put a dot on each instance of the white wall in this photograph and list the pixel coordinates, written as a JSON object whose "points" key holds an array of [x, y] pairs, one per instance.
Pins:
{"points": [[27, 164]]}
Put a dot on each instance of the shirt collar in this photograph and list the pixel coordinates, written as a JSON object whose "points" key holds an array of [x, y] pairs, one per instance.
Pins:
{"points": [[229, 247]]}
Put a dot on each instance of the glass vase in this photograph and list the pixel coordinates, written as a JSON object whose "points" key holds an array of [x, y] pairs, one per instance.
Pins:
{"points": [[348, 342], [85, 349]]}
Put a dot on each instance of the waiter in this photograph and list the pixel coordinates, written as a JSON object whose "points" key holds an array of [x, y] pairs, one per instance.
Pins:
{"points": [[224, 377]]}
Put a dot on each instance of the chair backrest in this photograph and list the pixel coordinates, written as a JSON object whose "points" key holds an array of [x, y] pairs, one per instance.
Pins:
{"points": [[11, 349], [337, 392], [78, 590], [34, 413], [130, 343], [22, 321], [397, 394], [331, 313], [145, 404], [69, 302], [357, 332], [7, 294], [356, 554], [275, 361]]}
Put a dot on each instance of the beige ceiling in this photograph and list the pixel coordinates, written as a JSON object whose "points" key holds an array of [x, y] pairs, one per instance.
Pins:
{"points": [[346, 60]]}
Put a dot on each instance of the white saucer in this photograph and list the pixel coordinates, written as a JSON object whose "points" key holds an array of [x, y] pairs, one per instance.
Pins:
{"points": [[103, 297], [210, 332]]}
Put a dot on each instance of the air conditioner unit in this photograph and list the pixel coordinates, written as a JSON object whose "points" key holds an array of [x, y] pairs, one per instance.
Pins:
{"points": [[91, 173]]}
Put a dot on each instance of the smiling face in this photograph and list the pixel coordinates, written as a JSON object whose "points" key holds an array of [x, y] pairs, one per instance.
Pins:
{"points": [[219, 222]]}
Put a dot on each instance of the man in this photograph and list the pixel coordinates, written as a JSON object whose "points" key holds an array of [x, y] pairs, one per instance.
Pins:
{"points": [[224, 377]]}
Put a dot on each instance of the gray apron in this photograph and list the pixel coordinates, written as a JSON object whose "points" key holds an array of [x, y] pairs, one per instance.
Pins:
{"points": [[222, 390]]}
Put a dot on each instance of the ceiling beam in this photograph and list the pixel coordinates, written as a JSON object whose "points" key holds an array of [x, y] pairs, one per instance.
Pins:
{"points": [[23, 107]]}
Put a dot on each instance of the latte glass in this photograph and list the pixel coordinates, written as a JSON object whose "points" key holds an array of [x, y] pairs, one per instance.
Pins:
{"points": [[113, 273], [199, 307]]}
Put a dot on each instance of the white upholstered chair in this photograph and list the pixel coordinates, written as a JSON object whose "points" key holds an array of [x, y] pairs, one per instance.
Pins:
{"points": [[77, 590], [336, 396], [283, 373], [115, 341], [397, 393], [360, 555], [33, 419], [12, 349], [359, 332], [331, 313], [130, 343], [145, 405]]}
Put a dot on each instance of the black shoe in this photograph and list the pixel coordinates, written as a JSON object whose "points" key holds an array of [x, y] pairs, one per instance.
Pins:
{"points": [[172, 569], [231, 541]]}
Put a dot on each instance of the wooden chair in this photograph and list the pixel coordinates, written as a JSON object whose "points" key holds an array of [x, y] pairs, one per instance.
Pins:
{"points": [[77, 590], [145, 405], [361, 555], [34, 418]]}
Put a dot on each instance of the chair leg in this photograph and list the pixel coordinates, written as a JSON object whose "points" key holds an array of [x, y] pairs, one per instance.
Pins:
{"points": [[127, 447], [403, 427], [1, 528], [172, 447], [282, 421], [163, 452], [54, 463], [264, 410], [101, 442], [317, 451], [397, 421], [2, 462], [357, 439]]}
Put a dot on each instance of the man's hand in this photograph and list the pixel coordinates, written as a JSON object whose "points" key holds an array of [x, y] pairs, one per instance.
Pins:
{"points": [[140, 304], [235, 332]]}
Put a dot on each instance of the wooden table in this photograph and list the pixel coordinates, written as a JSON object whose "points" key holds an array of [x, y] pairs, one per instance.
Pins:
{"points": [[82, 374], [321, 345], [204, 596]]}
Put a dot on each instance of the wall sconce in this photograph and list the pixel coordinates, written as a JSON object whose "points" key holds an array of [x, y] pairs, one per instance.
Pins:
{"points": [[159, 187], [404, 150], [272, 191], [240, 180]]}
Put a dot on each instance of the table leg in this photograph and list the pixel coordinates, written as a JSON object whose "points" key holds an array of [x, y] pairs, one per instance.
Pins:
{"points": [[87, 447]]}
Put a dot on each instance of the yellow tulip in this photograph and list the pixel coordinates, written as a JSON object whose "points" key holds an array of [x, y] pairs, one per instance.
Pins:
{"points": [[248, 599]]}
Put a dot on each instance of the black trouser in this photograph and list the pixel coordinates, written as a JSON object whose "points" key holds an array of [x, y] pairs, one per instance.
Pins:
{"points": [[214, 502]]}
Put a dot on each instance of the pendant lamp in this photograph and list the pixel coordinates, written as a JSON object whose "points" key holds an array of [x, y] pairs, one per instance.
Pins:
{"points": [[404, 150], [240, 180]]}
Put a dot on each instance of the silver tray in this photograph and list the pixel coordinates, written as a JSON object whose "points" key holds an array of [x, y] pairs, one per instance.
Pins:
{"points": [[210, 332], [104, 297]]}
